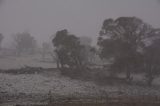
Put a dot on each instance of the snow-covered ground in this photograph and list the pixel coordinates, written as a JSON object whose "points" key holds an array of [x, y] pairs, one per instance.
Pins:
{"points": [[44, 83], [41, 84], [54, 82]]}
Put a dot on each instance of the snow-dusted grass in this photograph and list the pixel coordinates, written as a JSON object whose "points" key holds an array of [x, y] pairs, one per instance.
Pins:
{"points": [[11, 62], [60, 85], [40, 84], [43, 83]]}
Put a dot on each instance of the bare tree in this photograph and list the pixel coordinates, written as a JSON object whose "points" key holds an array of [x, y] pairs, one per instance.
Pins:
{"points": [[24, 42], [46, 49], [89, 51], [85, 40], [1, 38]]}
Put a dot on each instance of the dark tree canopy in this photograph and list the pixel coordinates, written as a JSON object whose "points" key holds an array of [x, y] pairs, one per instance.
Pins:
{"points": [[124, 39], [125, 35], [68, 49]]}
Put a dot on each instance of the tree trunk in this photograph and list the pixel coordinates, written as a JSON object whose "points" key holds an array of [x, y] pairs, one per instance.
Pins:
{"points": [[150, 76], [128, 76], [58, 64], [150, 80]]}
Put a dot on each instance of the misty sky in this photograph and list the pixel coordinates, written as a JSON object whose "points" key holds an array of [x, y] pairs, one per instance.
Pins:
{"points": [[42, 18]]}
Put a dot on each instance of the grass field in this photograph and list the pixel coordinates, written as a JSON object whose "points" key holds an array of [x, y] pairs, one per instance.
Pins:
{"points": [[37, 85]]}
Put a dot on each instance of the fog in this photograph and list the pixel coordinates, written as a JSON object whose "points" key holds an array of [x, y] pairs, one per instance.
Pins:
{"points": [[102, 52], [42, 18]]}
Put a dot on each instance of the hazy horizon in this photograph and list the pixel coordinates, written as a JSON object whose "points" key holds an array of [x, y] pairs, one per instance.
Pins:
{"points": [[42, 18]]}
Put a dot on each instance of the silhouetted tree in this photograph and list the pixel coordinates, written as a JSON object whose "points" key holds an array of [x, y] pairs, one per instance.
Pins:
{"points": [[89, 51], [24, 42], [68, 49], [123, 40], [1, 38], [152, 61], [46, 49]]}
